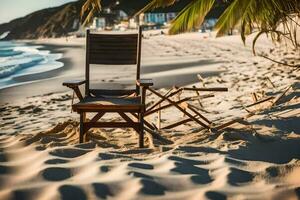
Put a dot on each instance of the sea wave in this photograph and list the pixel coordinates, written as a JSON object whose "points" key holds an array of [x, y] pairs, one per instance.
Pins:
{"points": [[17, 59]]}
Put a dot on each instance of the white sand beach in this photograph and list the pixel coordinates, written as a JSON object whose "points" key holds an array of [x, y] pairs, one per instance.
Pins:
{"points": [[256, 158]]}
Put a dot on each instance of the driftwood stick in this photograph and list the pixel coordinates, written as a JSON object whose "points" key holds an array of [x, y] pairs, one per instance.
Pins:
{"points": [[201, 79], [216, 89], [198, 108], [178, 123], [198, 94], [181, 109], [159, 117], [157, 136], [254, 97], [260, 101], [166, 106], [269, 80], [225, 125], [278, 62], [278, 98], [199, 114], [163, 98], [202, 96]]}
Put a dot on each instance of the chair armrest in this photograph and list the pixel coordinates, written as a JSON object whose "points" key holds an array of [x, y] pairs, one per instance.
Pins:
{"points": [[75, 86], [144, 82], [73, 83]]}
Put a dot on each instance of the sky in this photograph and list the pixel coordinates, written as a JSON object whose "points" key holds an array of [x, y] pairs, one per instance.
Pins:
{"points": [[12, 9]]}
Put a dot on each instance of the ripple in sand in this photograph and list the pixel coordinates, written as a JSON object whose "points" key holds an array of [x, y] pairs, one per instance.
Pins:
{"points": [[3, 157], [56, 173], [150, 187], [297, 190], [56, 161], [72, 192], [68, 153], [237, 176], [30, 193], [201, 179], [105, 168], [139, 175], [215, 195], [140, 165], [101, 190]]}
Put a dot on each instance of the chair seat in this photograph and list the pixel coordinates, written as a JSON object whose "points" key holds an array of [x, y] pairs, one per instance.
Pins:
{"points": [[108, 104]]}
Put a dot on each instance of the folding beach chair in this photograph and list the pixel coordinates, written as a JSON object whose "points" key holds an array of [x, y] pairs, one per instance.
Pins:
{"points": [[112, 49]]}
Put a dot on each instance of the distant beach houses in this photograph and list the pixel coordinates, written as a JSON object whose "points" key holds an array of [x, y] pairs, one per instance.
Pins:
{"points": [[159, 18], [121, 17], [121, 20]]}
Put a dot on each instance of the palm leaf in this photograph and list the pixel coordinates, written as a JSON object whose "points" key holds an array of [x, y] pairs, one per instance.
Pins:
{"points": [[156, 4], [191, 16], [238, 11], [89, 8]]}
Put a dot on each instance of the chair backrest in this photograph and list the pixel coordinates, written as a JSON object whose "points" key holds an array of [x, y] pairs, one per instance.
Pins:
{"points": [[113, 49]]}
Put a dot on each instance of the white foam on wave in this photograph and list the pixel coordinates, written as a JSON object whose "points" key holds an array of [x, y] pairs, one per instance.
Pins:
{"points": [[17, 60]]}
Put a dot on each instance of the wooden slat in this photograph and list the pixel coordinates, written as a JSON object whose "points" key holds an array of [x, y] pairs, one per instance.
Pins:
{"points": [[112, 61], [93, 104], [153, 127], [97, 116], [111, 125], [113, 49], [107, 109], [109, 36], [111, 92]]}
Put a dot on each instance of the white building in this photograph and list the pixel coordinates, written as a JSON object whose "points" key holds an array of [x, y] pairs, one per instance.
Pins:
{"points": [[159, 18], [98, 23]]}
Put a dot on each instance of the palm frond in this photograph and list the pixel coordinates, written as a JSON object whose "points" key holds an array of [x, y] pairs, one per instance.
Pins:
{"points": [[156, 4], [238, 11], [191, 16], [89, 8]]}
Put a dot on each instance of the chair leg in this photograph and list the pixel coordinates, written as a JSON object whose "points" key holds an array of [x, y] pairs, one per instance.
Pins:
{"points": [[81, 129], [141, 133]]}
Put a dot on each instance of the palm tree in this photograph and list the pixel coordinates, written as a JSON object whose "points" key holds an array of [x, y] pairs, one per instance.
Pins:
{"points": [[278, 18]]}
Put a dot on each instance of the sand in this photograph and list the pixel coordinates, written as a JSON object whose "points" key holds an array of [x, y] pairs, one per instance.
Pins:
{"points": [[258, 158]]}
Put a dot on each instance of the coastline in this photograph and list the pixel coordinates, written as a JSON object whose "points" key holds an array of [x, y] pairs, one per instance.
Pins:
{"points": [[166, 70], [51, 80]]}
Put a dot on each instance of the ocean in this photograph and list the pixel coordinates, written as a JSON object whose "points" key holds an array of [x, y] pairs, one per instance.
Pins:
{"points": [[20, 60]]}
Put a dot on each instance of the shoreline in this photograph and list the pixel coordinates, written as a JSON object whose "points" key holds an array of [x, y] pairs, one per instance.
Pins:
{"points": [[165, 72]]}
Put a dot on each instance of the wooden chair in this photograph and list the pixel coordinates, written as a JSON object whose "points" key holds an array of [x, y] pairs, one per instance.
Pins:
{"points": [[112, 49]]}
